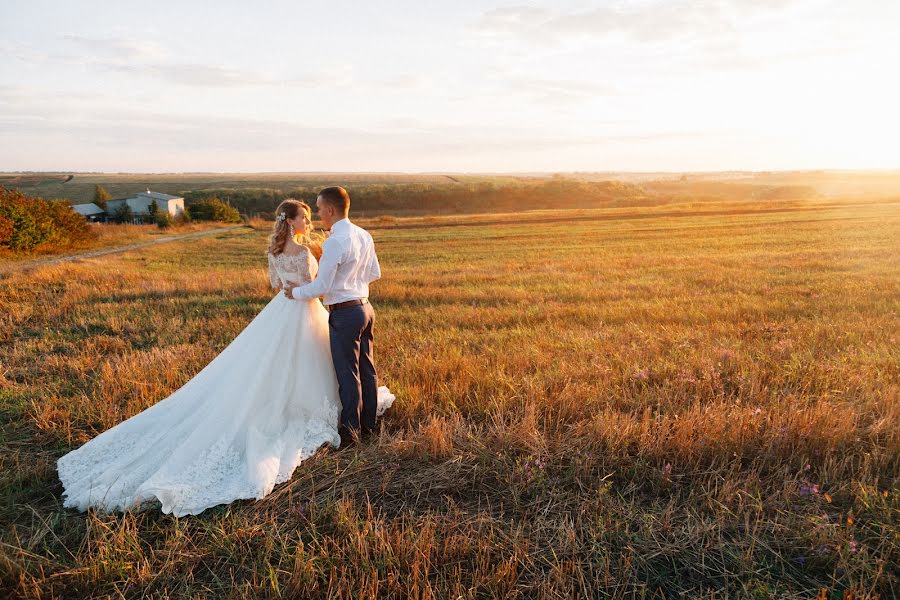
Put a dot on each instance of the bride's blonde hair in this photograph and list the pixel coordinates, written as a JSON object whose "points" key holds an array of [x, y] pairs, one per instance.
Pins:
{"points": [[281, 231]]}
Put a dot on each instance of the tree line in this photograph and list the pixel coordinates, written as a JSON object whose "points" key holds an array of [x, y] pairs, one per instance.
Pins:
{"points": [[441, 198]]}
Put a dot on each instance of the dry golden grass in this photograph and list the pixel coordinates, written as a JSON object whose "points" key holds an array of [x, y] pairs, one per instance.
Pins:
{"points": [[109, 235], [633, 402]]}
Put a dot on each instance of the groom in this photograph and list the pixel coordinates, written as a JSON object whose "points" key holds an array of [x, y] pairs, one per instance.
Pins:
{"points": [[347, 267]]}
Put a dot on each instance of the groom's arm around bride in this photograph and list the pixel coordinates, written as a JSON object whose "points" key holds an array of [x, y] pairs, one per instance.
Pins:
{"points": [[347, 267]]}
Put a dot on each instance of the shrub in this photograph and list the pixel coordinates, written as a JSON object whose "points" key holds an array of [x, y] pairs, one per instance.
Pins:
{"points": [[213, 209], [123, 214], [258, 224], [163, 219], [6, 231], [26, 223], [182, 218]]}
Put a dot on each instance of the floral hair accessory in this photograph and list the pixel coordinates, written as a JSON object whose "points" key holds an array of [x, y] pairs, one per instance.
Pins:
{"points": [[281, 217]]}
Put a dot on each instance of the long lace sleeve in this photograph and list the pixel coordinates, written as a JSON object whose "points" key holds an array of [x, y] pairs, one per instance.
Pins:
{"points": [[312, 266], [304, 265], [332, 254], [274, 280]]}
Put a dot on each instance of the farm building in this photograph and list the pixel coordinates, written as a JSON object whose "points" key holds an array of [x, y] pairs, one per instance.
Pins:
{"points": [[139, 204], [91, 212]]}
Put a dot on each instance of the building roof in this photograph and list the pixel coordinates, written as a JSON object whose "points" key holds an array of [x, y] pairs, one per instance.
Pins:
{"points": [[138, 205], [159, 195], [88, 209], [112, 205]]}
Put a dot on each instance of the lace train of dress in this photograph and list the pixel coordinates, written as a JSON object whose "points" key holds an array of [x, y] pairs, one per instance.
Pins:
{"points": [[235, 430]]}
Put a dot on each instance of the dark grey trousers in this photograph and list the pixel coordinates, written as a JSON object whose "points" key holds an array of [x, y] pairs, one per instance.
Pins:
{"points": [[352, 337]]}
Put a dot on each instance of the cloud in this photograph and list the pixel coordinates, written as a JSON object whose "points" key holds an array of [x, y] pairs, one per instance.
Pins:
{"points": [[555, 91], [646, 22], [98, 128], [651, 41], [103, 125], [514, 22], [189, 74], [52, 130], [125, 49], [146, 58], [407, 82]]}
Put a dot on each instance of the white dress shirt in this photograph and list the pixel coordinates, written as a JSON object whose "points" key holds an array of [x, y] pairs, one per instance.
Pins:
{"points": [[347, 267]]}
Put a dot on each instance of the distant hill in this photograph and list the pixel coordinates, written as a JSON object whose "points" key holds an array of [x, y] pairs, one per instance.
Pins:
{"points": [[80, 186], [437, 193]]}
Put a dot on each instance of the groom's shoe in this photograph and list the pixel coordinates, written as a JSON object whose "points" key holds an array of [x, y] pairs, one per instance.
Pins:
{"points": [[373, 431], [348, 436]]}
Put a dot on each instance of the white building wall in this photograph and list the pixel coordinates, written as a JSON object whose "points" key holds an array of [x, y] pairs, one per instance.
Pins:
{"points": [[176, 207]]}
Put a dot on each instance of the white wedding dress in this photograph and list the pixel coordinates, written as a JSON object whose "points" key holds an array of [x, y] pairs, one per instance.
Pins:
{"points": [[236, 429]]}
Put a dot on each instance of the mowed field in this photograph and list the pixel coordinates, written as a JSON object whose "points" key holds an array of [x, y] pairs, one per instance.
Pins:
{"points": [[638, 403]]}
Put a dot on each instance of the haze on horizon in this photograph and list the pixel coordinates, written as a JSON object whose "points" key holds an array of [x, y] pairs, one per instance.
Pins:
{"points": [[649, 85]]}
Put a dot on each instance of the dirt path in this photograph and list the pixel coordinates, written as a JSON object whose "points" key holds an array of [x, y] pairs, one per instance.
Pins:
{"points": [[41, 262]]}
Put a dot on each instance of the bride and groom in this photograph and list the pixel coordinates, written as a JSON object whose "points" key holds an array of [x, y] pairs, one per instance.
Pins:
{"points": [[300, 375]]}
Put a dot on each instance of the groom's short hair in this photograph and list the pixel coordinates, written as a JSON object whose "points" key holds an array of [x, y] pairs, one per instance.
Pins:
{"points": [[337, 197]]}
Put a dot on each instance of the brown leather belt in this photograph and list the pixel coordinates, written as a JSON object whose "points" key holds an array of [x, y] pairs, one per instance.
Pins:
{"points": [[347, 304]]}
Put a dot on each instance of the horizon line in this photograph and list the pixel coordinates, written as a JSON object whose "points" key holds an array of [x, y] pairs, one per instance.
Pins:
{"points": [[519, 173]]}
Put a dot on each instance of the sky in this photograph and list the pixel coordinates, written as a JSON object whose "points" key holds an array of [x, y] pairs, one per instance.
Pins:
{"points": [[452, 86]]}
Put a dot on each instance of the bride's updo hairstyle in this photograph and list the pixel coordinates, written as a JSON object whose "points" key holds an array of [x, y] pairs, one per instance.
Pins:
{"points": [[289, 209]]}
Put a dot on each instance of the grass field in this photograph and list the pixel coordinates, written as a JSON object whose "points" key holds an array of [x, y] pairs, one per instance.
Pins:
{"points": [[639, 402], [109, 236]]}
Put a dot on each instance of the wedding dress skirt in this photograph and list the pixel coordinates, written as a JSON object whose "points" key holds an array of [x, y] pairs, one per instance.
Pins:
{"points": [[239, 427]]}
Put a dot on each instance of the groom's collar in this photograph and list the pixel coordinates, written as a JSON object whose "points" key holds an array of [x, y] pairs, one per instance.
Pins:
{"points": [[338, 224]]}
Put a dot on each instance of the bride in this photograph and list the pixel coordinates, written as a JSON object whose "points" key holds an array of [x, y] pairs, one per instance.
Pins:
{"points": [[243, 423]]}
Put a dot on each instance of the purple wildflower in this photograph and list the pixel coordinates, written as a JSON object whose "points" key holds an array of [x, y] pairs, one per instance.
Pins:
{"points": [[809, 489]]}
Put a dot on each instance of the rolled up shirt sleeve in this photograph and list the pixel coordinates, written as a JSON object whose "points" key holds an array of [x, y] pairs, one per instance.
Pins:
{"points": [[374, 267], [332, 255]]}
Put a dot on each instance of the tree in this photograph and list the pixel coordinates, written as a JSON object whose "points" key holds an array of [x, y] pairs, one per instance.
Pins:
{"points": [[101, 196], [123, 214], [153, 209], [26, 223], [213, 209]]}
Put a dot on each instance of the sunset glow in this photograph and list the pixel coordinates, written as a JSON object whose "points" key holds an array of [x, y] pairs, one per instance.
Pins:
{"points": [[462, 86]]}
